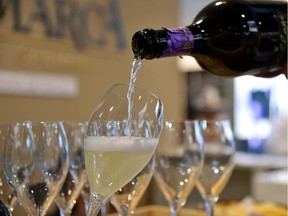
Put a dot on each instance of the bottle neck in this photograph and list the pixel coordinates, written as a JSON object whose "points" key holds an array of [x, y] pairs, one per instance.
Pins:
{"points": [[180, 42], [150, 44]]}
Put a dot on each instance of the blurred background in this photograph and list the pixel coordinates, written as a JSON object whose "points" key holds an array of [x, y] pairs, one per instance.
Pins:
{"points": [[57, 58]]}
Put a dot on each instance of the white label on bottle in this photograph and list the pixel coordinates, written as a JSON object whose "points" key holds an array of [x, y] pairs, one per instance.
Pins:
{"points": [[252, 26]]}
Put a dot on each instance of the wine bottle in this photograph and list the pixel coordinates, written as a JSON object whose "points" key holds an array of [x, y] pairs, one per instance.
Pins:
{"points": [[3, 210], [227, 38]]}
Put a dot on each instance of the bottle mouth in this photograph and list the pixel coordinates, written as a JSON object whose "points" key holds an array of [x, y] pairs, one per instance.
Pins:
{"points": [[143, 44], [138, 44]]}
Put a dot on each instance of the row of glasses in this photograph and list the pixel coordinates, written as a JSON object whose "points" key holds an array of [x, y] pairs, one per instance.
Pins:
{"points": [[76, 176], [43, 163], [118, 145], [190, 153], [36, 163], [179, 155]]}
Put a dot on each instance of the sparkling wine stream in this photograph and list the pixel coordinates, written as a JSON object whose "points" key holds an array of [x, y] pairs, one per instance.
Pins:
{"points": [[136, 67]]}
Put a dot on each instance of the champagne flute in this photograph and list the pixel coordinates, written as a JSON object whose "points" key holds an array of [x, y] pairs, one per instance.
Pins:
{"points": [[36, 163], [179, 159], [76, 177], [85, 195], [126, 199], [121, 137], [6, 193], [219, 149]]}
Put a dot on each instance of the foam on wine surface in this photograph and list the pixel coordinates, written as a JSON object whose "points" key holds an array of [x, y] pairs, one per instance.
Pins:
{"points": [[106, 143]]}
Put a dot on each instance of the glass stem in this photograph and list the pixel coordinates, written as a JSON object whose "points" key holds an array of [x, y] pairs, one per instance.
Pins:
{"points": [[95, 204], [124, 210], [103, 210], [175, 213], [65, 212], [86, 204], [175, 210], [209, 208]]}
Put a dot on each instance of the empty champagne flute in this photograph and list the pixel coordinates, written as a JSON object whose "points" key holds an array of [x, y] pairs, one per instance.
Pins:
{"points": [[219, 149], [126, 199], [6, 193], [121, 137], [179, 159], [76, 178], [36, 163]]}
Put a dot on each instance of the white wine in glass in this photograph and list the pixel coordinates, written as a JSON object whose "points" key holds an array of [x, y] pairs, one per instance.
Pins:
{"points": [[108, 173], [219, 149], [119, 144], [126, 199]]}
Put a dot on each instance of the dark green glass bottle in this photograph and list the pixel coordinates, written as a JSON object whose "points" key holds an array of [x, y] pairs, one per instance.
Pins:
{"points": [[227, 38]]}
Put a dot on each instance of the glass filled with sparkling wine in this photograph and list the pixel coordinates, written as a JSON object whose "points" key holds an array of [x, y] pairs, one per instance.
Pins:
{"points": [[36, 163], [121, 137], [219, 150]]}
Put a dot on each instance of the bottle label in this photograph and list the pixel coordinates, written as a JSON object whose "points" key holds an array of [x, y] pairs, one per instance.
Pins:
{"points": [[181, 41]]}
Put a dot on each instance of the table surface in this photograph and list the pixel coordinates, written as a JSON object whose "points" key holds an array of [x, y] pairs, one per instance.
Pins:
{"points": [[156, 210], [244, 208]]}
